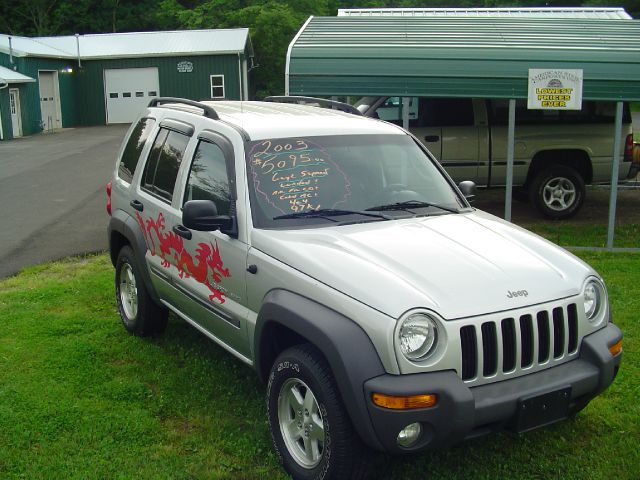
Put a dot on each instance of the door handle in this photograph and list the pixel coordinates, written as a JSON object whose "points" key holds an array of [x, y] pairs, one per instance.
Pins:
{"points": [[137, 205], [431, 138], [182, 231]]}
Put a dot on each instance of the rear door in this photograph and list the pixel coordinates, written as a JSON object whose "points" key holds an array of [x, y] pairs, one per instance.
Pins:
{"points": [[155, 207]]}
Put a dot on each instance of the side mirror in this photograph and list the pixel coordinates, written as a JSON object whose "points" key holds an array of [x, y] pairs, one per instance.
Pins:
{"points": [[202, 216], [468, 189]]}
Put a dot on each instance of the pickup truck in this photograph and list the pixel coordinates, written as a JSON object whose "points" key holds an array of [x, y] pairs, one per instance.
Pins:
{"points": [[556, 152]]}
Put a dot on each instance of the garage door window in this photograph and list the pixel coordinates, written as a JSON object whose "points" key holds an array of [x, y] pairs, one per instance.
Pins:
{"points": [[161, 170], [217, 86], [134, 147]]}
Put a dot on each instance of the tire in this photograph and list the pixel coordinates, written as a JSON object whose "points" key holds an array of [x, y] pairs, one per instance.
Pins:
{"points": [[557, 191], [140, 315], [302, 393]]}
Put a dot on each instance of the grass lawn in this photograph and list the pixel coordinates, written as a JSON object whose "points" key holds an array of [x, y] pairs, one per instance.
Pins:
{"points": [[594, 235], [80, 398]]}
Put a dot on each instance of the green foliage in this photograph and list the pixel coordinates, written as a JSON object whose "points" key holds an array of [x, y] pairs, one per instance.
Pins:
{"points": [[272, 23]]}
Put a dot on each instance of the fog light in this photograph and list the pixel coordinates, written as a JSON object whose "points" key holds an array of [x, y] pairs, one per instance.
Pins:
{"points": [[409, 435]]}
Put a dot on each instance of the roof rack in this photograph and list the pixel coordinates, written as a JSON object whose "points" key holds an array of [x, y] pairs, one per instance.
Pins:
{"points": [[207, 110], [322, 102]]}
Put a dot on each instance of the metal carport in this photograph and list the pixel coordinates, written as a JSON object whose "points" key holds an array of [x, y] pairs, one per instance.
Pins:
{"points": [[466, 56]]}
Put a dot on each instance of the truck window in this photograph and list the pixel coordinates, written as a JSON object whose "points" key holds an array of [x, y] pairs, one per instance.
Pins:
{"points": [[429, 112], [445, 112], [592, 112]]}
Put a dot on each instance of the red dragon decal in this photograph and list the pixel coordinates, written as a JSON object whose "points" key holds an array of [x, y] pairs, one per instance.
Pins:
{"points": [[171, 249]]}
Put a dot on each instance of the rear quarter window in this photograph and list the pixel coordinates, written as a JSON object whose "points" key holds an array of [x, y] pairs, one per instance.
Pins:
{"points": [[133, 149]]}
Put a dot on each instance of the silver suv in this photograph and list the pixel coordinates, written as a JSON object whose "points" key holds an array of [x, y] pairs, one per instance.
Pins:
{"points": [[334, 255]]}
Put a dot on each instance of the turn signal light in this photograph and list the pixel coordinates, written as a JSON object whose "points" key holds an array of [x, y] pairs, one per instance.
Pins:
{"points": [[616, 348], [404, 402]]}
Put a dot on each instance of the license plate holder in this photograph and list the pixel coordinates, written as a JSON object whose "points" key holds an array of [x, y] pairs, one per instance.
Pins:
{"points": [[543, 409]]}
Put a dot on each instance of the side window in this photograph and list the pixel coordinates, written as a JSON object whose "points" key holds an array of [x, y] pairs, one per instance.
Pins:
{"points": [[208, 177], [161, 171], [217, 86], [391, 110], [133, 149], [444, 112]]}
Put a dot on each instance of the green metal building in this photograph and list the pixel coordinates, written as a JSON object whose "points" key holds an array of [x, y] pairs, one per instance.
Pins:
{"points": [[47, 83]]}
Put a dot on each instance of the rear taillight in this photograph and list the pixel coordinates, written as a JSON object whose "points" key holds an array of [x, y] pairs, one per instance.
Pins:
{"points": [[109, 198], [628, 148]]}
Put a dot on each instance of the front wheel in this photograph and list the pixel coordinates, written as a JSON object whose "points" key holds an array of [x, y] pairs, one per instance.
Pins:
{"points": [[557, 191], [311, 431]]}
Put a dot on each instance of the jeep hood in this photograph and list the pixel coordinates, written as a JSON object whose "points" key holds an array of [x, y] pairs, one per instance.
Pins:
{"points": [[457, 265]]}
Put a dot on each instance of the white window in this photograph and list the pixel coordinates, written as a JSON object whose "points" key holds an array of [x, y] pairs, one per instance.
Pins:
{"points": [[217, 86]]}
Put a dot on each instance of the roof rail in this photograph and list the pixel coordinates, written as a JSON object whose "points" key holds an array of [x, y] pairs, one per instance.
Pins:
{"points": [[322, 102], [207, 110]]}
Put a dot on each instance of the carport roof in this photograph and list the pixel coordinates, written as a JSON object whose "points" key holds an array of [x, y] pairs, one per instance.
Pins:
{"points": [[133, 44], [461, 56], [9, 76]]}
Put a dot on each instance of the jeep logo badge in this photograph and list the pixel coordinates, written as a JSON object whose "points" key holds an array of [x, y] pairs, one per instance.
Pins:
{"points": [[517, 293]]}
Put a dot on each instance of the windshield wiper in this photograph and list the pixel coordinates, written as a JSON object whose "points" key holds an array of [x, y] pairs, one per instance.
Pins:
{"points": [[330, 212], [410, 204]]}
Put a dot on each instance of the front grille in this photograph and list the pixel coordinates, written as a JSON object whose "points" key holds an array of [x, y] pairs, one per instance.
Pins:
{"points": [[532, 339]]}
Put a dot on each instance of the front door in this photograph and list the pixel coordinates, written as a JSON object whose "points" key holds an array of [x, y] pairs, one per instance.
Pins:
{"points": [[212, 268], [14, 106]]}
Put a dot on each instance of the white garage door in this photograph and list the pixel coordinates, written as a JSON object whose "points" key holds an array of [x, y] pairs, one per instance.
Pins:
{"points": [[127, 91]]}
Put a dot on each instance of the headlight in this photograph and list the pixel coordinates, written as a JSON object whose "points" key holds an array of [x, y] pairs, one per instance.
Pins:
{"points": [[418, 336], [594, 299]]}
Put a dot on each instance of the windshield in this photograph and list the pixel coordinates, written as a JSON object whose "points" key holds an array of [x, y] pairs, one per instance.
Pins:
{"points": [[312, 181]]}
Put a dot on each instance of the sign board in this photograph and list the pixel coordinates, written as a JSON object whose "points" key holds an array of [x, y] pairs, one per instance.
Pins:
{"points": [[185, 67], [555, 89]]}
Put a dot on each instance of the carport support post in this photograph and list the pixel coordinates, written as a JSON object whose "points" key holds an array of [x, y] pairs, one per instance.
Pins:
{"points": [[405, 112], [510, 149], [615, 169]]}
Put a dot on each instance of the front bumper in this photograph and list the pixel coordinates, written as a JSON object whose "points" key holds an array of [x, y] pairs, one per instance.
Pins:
{"points": [[463, 413]]}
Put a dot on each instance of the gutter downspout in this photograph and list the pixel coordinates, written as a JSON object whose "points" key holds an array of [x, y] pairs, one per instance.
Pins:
{"points": [[3, 84], [11, 53], [240, 76], [78, 50]]}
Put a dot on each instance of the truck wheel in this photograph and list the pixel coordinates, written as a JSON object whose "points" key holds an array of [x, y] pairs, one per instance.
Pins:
{"points": [[311, 431], [139, 313], [557, 191]]}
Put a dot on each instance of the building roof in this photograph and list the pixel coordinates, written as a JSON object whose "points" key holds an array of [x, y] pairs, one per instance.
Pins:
{"points": [[546, 12], [134, 44], [461, 56], [9, 76]]}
